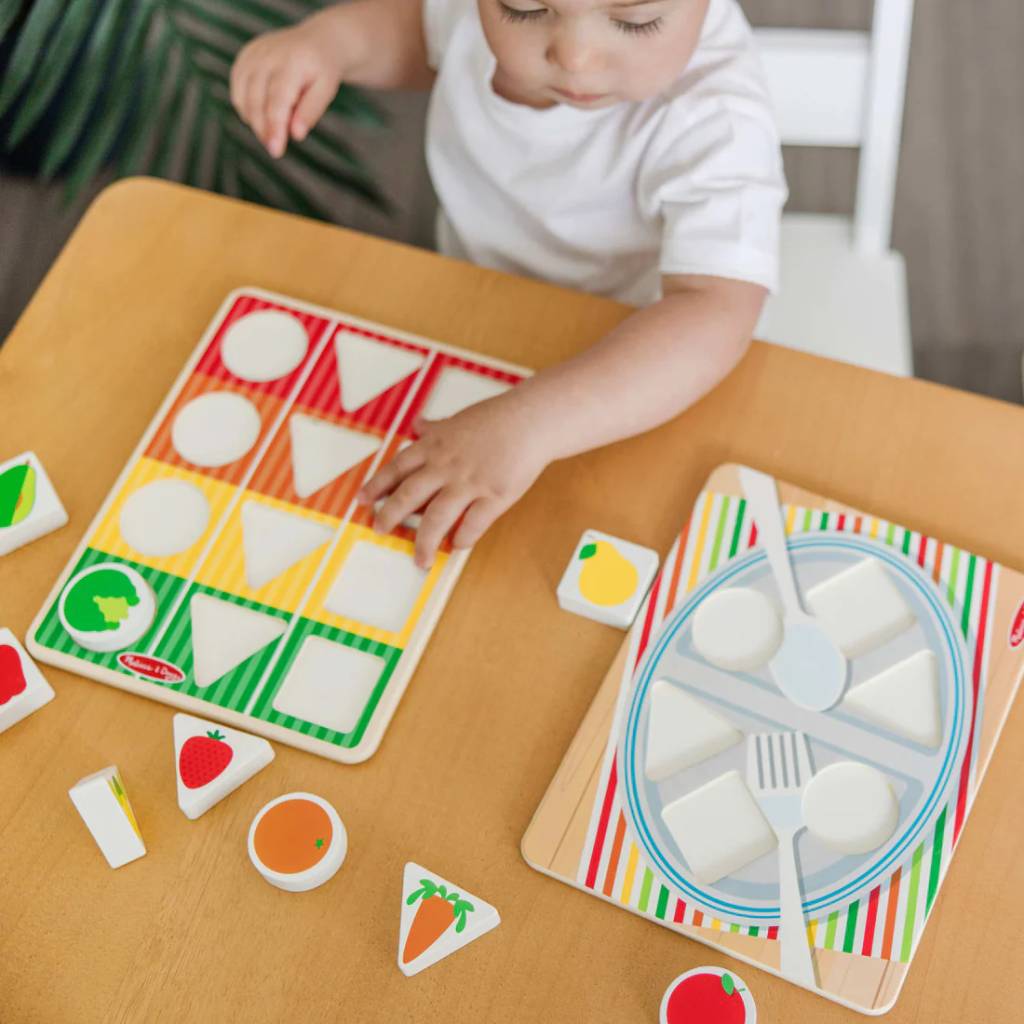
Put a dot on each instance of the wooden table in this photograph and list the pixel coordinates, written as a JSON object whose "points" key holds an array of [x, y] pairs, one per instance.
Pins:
{"points": [[191, 932]]}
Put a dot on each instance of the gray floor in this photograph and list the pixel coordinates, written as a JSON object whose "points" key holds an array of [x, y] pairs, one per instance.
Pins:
{"points": [[959, 217]]}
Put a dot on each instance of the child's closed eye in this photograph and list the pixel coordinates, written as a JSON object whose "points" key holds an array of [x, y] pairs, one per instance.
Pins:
{"points": [[516, 14]]}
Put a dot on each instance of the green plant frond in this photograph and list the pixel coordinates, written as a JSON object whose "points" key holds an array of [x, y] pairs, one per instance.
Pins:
{"points": [[354, 181], [203, 13], [87, 162], [143, 123], [9, 11], [57, 57], [31, 41], [195, 153], [84, 85], [267, 15], [161, 161], [355, 105]]}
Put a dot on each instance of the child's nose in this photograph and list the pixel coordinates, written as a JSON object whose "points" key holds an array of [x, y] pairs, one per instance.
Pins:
{"points": [[572, 52]]}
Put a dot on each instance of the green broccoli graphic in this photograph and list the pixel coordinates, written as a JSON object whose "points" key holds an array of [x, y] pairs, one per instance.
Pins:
{"points": [[100, 601]]}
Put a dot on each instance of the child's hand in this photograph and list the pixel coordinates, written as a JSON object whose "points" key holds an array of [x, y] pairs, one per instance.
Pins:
{"points": [[477, 463], [282, 82]]}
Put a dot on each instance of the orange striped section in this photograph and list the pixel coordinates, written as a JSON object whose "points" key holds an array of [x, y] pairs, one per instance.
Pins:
{"points": [[613, 860], [890, 915]]}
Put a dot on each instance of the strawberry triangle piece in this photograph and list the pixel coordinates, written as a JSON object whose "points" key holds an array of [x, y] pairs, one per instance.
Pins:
{"points": [[438, 918], [212, 761]]}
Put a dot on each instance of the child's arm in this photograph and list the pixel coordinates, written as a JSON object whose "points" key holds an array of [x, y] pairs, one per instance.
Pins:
{"points": [[282, 82], [656, 363]]}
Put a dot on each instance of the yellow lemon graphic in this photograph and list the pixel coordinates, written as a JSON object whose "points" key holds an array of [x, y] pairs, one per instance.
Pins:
{"points": [[607, 578]]}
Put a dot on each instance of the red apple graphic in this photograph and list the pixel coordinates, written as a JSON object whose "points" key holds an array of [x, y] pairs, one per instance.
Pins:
{"points": [[12, 675], [705, 999]]}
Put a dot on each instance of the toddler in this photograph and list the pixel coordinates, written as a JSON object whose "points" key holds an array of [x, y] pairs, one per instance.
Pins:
{"points": [[625, 148]]}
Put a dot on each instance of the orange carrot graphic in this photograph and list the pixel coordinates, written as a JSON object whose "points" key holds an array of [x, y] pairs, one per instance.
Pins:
{"points": [[434, 916]]}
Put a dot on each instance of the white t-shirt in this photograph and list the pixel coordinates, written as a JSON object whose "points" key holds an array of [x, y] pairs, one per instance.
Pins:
{"points": [[607, 200]]}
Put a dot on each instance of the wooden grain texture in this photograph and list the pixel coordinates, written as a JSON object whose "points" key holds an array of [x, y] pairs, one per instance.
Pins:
{"points": [[190, 931]]}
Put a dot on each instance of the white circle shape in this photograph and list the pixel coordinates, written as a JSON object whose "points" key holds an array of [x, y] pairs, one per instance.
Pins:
{"points": [[164, 517], [324, 870], [264, 345], [850, 807], [135, 619], [737, 629], [215, 429]]}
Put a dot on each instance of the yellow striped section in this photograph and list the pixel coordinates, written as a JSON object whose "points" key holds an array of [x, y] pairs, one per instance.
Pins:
{"points": [[353, 535], [812, 931], [224, 567], [698, 548], [875, 526], [791, 519], [627, 882], [107, 536]]}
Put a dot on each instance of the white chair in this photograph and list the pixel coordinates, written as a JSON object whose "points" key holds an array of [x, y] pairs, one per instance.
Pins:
{"points": [[843, 291]]}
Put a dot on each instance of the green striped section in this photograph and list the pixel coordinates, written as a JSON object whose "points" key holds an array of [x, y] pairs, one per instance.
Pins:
{"points": [[52, 635], [807, 520], [716, 548], [965, 619], [662, 904], [906, 542], [305, 628], [233, 690], [908, 924], [645, 890], [830, 930], [851, 926], [738, 528], [933, 874]]}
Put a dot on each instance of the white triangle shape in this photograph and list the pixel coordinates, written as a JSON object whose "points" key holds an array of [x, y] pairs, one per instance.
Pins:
{"points": [[216, 761], [321, 452], [436, 934], [225, 634], [682, 731], [367, 368], [903, 699], [275, 540]]}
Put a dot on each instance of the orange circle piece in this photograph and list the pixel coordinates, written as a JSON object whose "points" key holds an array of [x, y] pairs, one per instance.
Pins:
{"points": [[293, 836]]}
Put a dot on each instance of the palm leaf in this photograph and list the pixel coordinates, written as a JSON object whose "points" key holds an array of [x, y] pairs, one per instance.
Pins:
{"points": [[144, 83]]}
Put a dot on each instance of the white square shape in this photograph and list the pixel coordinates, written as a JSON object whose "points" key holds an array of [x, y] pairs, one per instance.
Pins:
{"points": [[598, 582], [22, 686], [719, 828], [456, 389], [328, 684], [24, 481], [860, 608], [103, 803], [376, 586]]}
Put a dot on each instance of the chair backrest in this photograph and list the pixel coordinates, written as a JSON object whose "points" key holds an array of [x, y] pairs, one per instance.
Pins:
{"points": [[846, 88]]}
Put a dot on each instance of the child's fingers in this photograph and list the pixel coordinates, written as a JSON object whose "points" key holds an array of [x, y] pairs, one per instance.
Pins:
{"points": [[412, 493], [311, 106], [441, 515], [237, 83], [255, 97], [284, 87], [478, 518], [387, 478]]}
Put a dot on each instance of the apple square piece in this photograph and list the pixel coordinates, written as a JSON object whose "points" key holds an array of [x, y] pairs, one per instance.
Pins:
{"points": [[607, 579], [29, 506], [719, 828], [22, 686], [437, 919], [102, 802], [860, 608], [212, 761]]}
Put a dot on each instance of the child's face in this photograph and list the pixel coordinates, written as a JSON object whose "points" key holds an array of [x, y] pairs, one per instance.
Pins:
{"points": [[589, 53]]}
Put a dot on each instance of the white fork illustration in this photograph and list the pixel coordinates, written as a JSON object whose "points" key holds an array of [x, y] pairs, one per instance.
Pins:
{"points": [[778, 769]]}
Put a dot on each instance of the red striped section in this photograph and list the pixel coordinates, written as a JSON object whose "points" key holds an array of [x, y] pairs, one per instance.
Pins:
{"points": [[841, 525], [979, 657], [679, 913], [869, 922], [677, 569], [753, 535], [922, 551], [602, 827], [645, 636], [773, 932]]}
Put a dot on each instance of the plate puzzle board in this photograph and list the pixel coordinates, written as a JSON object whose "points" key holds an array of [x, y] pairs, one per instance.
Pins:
{"points": [[230, 571], [955, 637]]}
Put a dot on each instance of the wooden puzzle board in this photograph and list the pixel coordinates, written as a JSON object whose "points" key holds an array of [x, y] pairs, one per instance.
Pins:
{"points": [[343, 406], [581, 833]]}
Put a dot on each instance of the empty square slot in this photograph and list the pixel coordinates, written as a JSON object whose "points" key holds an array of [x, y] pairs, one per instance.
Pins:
{"points": [[328, 684], [376, 586]]}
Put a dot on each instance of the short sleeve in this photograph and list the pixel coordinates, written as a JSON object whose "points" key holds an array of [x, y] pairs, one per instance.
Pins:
{"points": [[440, 18], [719, 188]]}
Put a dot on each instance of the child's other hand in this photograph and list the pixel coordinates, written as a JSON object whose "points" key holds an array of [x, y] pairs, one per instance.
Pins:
{"points": [[282, 82], [474, 465]]}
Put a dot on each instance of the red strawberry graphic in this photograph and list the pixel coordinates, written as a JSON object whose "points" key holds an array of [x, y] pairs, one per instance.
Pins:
{"points": [[203, 758], [12, 675]]}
